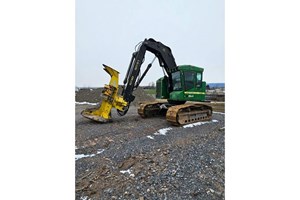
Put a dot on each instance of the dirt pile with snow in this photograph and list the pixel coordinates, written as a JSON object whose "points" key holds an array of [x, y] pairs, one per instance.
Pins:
{"points": [[94, 95]]}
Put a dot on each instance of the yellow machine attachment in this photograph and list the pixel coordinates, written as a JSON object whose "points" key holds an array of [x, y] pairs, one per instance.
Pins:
{"points": [[111, 99]]}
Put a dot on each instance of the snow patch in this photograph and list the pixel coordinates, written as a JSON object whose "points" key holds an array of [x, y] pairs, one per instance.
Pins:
{"points": [[162, 131], [152, 138], [84, 102], [199, 123], [79, 156], [125, 171], [128, 171], [219, 113], [100, 151], [84, 198]]}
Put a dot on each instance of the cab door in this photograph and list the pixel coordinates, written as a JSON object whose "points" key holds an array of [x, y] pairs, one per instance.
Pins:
{"points": [[193, 86]]}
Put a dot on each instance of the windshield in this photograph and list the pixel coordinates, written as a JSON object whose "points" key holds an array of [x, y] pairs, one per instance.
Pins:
{"points": [[176, 81]]}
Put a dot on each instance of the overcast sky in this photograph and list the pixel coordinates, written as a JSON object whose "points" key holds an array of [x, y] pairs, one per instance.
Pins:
{"points": [[108, 31]]}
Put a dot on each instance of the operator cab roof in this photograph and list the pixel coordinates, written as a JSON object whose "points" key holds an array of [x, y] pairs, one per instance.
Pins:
{"points": [[190, 68]]}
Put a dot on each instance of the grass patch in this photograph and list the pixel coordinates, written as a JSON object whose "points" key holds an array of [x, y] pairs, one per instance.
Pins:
{"points": [[150, 91]]}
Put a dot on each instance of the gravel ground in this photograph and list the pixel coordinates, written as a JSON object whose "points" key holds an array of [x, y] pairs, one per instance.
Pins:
{"points": [[131, 158]]}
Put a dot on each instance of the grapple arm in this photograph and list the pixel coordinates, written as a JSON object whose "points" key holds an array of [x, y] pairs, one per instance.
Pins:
{"points": [[110, 99]]}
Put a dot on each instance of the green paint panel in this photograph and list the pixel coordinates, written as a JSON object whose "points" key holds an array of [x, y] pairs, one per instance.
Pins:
{"points": [[162, 88], [190, 68]]}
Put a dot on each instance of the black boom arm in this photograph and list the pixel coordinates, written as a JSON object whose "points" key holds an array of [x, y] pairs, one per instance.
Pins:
{"points": [[165, 58]]}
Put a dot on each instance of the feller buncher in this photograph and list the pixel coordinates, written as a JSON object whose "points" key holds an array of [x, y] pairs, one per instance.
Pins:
{"points": [[180, 84]]}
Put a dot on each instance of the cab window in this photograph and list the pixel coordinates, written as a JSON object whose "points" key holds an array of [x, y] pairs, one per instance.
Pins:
{"points": [[189, 80], [176, 81], [198, 80]]}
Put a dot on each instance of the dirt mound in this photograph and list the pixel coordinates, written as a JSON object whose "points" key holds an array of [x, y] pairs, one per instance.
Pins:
{"points": [[140, 96], [91, 95], [94, 95]]}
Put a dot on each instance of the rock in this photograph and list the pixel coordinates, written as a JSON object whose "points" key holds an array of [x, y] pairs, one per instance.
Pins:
{"points": [[222, 129], [109, 190], [173, 173]]}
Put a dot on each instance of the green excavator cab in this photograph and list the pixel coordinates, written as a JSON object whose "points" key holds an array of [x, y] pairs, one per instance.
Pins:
{"points": [[188, 85]]}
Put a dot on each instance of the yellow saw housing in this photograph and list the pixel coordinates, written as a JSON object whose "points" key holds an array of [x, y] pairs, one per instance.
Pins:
{"points": [[111, 99]]}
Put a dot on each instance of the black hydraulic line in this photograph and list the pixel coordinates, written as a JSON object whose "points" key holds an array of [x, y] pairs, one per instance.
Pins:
{"points": [[163, 71], [133, 74], [153, 59], [129, 67], [137, 45], [145, 72]]}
